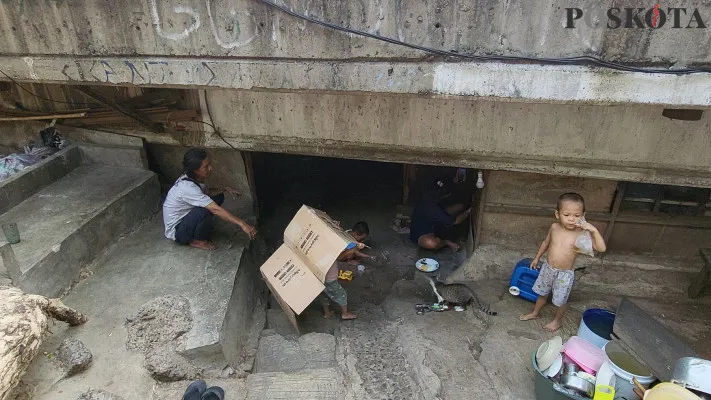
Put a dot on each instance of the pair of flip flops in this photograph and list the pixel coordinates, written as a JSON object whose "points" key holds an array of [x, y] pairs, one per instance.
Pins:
{"points": [[198, 390]]}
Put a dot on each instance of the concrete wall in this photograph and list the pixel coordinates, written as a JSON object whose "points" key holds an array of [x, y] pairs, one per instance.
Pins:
{"points": [[228, 170], [531, 194], [246, 45], [17, 188], [15, 135], [245, 307], [536, 191], [628, 142], [675, 241], [248, 28]]}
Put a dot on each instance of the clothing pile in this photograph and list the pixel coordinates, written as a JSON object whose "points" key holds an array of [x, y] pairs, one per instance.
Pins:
{"points": [[51, 142]]}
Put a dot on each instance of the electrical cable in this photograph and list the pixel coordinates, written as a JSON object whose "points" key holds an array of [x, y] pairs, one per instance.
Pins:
{"points": [[217, 132], [40, 97], [578, 60]]}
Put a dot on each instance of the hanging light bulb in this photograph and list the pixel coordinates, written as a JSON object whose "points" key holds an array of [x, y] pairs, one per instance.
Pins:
{"points": [[480, 180]]}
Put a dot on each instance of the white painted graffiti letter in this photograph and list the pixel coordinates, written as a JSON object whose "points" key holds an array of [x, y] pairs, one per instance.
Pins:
{"points": [[195, 23], [239, 25]]}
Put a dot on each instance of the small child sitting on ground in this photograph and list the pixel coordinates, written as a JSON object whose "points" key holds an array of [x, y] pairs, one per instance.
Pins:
{"points": [[334, 291], [556, 273]]}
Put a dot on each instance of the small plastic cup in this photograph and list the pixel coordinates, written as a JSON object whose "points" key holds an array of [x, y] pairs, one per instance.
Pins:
{"points": [[604, 392], [12, 233]]}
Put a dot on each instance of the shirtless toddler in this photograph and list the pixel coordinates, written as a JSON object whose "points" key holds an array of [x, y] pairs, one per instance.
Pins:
{"points": [[557, 272]]}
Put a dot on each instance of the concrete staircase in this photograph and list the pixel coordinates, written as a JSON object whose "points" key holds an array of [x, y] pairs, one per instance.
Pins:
{"points": [[296, 368], [68, 208]]}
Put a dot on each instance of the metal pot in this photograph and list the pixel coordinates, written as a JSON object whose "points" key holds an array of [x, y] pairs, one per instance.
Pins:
{"points": [[570, 368], [693, 373], [578, 384]]}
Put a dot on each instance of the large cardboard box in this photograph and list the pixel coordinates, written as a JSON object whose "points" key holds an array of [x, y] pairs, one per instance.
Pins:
{"points": [[296, 271]]}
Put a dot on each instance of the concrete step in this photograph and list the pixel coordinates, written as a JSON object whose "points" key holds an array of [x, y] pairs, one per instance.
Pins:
{"points": [[313, 384], [68, 223], [615, 274], [221, 291], [310, 351], [627, 280]]}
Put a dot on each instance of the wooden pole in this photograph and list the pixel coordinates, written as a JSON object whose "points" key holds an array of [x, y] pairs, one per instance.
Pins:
{"points": [[616, 205], [133, 114], [41, 117]]}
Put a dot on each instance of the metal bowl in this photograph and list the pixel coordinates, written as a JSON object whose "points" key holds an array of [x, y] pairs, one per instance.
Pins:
{"points": [[578, 384]]}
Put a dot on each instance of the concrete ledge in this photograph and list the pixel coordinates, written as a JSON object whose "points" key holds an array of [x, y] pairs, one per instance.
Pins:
{"points": [[314, 384], [116, 156], [247, 291], [61, 266], [613, 274], [15, 189], [519, 82], [85, 135]]}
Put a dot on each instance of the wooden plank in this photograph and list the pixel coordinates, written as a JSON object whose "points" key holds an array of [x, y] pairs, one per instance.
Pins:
{"points": [[701, 280], [648, 341], [658, 202], [408, 173], [615, 210], [249, 169], [135, 115], [703, 197], [155, 98], [624, 216], [538, 211], [42, 117]]}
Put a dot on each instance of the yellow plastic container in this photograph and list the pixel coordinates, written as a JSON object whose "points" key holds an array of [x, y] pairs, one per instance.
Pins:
{"points": [[604, 392], [345, 275], [669, 391]]}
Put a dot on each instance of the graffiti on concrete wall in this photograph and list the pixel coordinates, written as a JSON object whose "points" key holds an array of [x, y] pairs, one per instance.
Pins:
{"points": [[148, 72], [25, 6], [178, 9], [232, 27], [228, 24]]}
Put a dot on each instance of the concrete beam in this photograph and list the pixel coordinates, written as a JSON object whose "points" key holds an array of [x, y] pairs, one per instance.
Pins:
{"points": [[618, 171], [250, 29], [516, 82]]}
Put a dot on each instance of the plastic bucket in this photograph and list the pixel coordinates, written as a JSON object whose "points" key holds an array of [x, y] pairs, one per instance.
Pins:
{"points": [[12, 233], [596, 326], [546, 388], [624, 386]]}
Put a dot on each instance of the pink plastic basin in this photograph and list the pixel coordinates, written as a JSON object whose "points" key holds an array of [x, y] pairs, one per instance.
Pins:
{"points": [[588, 356]]}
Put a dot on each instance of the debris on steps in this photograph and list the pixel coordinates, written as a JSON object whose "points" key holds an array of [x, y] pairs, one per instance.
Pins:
{"points": [[311, 384], [94, 394], [374, 359], [310, 351], [165, 365], [74, 356]]}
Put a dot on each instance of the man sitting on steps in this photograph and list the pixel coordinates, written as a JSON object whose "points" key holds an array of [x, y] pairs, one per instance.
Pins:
{"points": [[188, 210]]}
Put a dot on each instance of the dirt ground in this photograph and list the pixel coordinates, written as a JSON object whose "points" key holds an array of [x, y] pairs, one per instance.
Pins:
{"points": [[399, 354], [390, 352]]}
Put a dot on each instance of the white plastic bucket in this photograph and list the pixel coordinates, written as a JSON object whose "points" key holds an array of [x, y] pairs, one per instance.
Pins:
{"points": [[596, 326], [624, 387]]}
